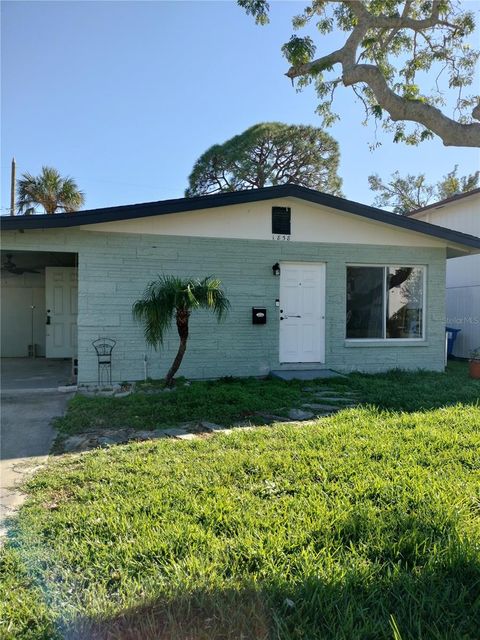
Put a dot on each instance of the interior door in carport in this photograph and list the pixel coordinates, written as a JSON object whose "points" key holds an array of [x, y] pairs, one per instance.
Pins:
{"points": [[61, 295]]}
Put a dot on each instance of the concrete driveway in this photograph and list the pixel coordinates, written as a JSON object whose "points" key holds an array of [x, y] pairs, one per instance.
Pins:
{"points": [[26, 439], [37, 374]]}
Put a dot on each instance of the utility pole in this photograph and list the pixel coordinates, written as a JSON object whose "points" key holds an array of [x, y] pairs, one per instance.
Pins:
{"points": [[12, 187]]}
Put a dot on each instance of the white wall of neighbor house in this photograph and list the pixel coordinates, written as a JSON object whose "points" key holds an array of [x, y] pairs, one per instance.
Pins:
{"points": [[19, 294], [463, 274]]}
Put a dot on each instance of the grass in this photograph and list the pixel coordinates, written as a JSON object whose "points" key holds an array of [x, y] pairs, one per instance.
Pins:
{"points": [[407, 391], [225, 401], [237, 399], [365, 525]]}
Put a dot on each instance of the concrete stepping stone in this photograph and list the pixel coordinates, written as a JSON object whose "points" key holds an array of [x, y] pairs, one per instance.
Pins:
{"points": [[299, 414], [187, 436], [344, 401], [272, 417], [335, 399], [75, 443], [173, 433], [211, 426], [336, 392], [106, 441], [147, 435], [322, 407]]}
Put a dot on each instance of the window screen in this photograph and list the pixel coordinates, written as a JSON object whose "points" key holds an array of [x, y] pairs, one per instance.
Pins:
{"points": [[281, 220]]}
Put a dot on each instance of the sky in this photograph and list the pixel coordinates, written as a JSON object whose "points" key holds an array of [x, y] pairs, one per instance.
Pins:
{"points": [[125, 96]]}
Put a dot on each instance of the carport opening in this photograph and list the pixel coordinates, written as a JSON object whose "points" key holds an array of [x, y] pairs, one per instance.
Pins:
{"points": [[39, 308]]}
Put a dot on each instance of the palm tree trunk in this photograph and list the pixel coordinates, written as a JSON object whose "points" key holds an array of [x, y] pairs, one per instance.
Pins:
{"points": [[182, 328]]}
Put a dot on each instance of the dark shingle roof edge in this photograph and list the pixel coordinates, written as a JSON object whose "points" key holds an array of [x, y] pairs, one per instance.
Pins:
{"points": [[442, 203], [164, 207]]}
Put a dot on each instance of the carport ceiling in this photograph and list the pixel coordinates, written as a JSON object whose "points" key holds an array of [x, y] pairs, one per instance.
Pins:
{"points": [[38, 259]]}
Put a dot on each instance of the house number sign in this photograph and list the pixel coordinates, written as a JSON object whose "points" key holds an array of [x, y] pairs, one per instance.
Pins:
{"points": [[276, 236]]}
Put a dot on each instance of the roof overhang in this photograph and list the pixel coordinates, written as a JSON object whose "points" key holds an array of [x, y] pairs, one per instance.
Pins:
{"points": [[442, 203], [457, 243]]}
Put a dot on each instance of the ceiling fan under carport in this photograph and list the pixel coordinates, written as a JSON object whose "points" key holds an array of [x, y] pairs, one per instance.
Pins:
{"points": [[10, 267]]}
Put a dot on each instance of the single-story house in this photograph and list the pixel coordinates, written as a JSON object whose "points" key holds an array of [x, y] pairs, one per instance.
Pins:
{"points": [[314, 281], [462, 213]]}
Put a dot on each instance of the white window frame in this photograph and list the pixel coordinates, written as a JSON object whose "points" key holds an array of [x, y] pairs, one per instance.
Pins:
{"points": [[385, 340]]}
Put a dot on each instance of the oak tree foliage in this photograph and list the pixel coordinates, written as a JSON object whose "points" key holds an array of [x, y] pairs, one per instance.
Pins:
{"points": [[269, 153], [410, 192], [401, 58]]}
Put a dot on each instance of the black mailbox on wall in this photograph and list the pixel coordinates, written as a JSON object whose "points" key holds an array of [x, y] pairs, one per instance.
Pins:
{"points": [[259, 315]]}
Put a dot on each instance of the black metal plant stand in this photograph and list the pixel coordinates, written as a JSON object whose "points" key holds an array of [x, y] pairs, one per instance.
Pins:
{"points": [[104, 348]]}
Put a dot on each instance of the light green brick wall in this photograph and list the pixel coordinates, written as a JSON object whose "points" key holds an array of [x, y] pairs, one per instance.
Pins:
{"points": [[114, 269]]}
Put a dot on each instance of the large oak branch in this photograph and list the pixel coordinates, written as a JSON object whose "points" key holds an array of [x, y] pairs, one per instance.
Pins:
{"points": [[451, 132]]}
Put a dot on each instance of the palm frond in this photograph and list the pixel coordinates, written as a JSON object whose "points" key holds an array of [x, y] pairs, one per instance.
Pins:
{"points": [[210, 295], [165, 297], [48, 190], [70, 198], [156, 310]]}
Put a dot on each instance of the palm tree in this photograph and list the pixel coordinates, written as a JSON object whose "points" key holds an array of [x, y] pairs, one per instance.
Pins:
{"points": [[50, 191], [171, 297]]}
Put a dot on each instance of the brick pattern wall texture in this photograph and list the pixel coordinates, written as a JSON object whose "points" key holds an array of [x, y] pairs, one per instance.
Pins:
{"points": [[114, 269]]}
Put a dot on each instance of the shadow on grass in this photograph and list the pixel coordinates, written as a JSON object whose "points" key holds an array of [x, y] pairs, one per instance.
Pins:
{"points": [[376, 588], [225, 615], [434, 605]]}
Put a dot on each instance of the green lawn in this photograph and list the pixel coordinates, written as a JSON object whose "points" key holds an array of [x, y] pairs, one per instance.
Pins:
{"points": [[238, 399], [365, 525]]}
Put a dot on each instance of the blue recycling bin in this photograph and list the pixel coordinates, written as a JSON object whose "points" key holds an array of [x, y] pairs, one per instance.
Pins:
{"points": [[451, 337]]}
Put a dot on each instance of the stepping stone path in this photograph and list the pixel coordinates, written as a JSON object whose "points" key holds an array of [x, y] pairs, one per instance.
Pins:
{"points": [[330, 401]]}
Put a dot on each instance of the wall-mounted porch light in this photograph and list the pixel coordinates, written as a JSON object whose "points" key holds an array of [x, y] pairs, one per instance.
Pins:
{"points": [[276, 269]]}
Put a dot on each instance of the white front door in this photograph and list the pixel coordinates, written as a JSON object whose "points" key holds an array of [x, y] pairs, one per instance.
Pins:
{"points": [[61, 293], [302, 312]]}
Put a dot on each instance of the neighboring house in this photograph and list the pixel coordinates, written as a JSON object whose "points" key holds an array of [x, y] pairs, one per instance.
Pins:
{"points": [[341, 285], [461, 213]]}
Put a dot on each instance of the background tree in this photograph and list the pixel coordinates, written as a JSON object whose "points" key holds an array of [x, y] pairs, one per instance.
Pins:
{"points": [[50, 191], [390, 47], [451, 184], [406, 194], [269, 153], [170, 298]]}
